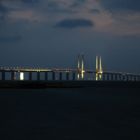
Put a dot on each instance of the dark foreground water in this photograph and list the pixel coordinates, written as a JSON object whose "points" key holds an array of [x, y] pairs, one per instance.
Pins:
{"points": [[70, 114]]}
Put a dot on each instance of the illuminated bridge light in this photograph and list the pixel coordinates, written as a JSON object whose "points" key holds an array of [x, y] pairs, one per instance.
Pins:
{"points": [[21, 76], [78, 73]]}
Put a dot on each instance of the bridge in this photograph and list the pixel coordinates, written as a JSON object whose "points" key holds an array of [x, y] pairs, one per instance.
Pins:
{"points": [[80, 73]]}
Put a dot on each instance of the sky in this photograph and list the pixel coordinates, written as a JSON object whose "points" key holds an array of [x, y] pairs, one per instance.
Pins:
{"points": [[51, 33]]}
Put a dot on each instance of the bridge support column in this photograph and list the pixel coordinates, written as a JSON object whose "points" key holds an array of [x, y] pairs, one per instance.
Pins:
{"points": [[53, 75], [30, 76], [73, 76], [116, 77], [124, 77], [128, 77], [38, 76], [139, 78], [67, 75], [112, 77], [121, 77], [107, 77], [135, 78], [60, 76], [104, 77], [3, 75], [94, 76], [21, 76], [131, 78], [46, 76], [13, 75]]}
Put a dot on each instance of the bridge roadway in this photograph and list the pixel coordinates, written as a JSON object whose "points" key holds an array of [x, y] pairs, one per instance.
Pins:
{"points": [[70, 74]]}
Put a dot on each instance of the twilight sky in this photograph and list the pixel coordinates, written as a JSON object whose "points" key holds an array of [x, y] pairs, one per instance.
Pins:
{"points": [[51, 33]]}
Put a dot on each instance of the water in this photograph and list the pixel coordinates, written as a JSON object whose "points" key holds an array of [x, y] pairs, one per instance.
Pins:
{"points": [[70, 114]]}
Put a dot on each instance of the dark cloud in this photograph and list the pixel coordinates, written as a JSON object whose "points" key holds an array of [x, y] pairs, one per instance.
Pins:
{"points": [[122, 5], [74, 23]]}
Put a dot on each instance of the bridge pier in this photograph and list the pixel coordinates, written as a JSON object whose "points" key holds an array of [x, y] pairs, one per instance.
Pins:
{"points": [[112, 77], [38, 76], [13, 76], [131, 77], [21, 76], [30, 76], [103, 77], [119, 77], [94, 76], [116, 77], [46, 76], [107, 77], [100, 76], [128, 77], [73, 76], [124, 77], [135, 78], [67, 76], [3, 75], [60, 76], [53, 75], [138, 77]]}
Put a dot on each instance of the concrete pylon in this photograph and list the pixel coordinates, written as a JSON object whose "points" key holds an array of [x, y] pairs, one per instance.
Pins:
{"points": [[80, 67], [100, 65], [99, 69], [97, 64]]}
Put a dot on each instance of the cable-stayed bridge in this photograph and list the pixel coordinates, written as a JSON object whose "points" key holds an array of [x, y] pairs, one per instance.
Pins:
{"points": [[79, 73]]}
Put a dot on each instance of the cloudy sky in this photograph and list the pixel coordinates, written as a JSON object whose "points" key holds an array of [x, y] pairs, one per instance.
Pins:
{"points": [[51, 33]]}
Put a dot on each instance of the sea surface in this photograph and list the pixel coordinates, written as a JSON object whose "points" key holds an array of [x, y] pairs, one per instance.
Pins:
{"points": [[70, 114]]}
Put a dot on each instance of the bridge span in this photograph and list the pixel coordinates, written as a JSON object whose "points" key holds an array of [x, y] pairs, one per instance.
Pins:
{"points": [[64, 74], [80, 73]]}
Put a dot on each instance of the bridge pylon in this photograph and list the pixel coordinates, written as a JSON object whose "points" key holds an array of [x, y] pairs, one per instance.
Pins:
{"points": [[81, 67], [99, 69]]}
